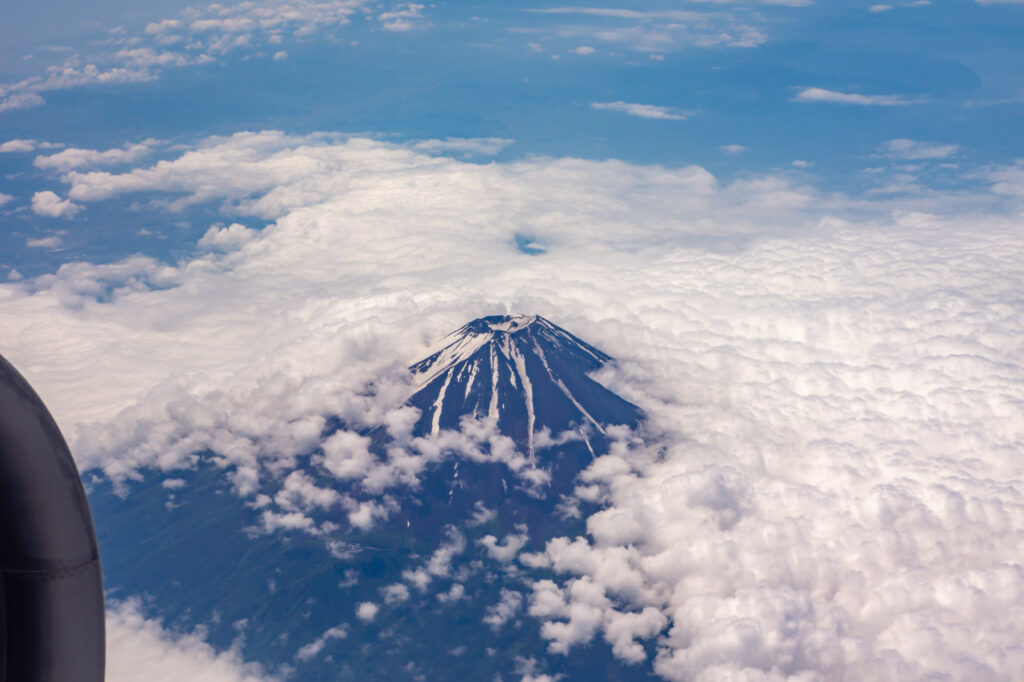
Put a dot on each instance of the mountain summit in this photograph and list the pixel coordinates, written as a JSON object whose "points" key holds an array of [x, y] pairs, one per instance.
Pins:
{"points": [[522, 370]]}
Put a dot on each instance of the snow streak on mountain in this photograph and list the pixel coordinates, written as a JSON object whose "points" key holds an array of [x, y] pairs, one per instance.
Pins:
{"points": [[523, 371]]}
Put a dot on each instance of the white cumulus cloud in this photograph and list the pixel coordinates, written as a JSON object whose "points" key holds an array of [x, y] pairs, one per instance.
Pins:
{"points": [[831, 485], [367, 611], [230, 238], [49, 204], [836, 97]]}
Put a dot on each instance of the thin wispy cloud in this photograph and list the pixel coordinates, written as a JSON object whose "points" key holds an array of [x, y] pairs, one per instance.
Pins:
{"points": [[642, 110], [673, 14], [656, 31], [51, 242], [466, 146], [914, 150], [676, 15], [836, 97], [885, 8]]}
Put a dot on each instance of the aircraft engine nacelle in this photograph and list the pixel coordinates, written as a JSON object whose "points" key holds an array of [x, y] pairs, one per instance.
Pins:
{"points": [[51, 595]]}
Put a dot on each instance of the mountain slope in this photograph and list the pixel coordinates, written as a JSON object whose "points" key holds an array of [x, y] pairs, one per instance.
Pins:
{"points": [[524, 372]]}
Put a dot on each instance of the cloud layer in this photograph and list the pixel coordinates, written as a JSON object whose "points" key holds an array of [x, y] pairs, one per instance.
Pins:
{"points": [[830, 485]]}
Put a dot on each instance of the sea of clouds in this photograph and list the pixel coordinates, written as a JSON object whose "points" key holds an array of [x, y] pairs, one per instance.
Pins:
{"points": [[830, 482]]}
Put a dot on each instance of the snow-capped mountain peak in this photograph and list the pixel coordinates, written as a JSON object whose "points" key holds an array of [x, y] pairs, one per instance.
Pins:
{"points": [[523, 371]]}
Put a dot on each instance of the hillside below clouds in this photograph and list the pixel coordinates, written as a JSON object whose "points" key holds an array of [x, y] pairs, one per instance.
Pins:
{"points": [[389, 552]]}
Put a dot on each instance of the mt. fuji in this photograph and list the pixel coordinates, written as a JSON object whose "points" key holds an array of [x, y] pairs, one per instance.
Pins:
{"points": [[524, 372], [384, 553]]}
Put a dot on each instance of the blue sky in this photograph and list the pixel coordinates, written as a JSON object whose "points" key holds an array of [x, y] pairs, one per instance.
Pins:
{"points": [[721, 84]]}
